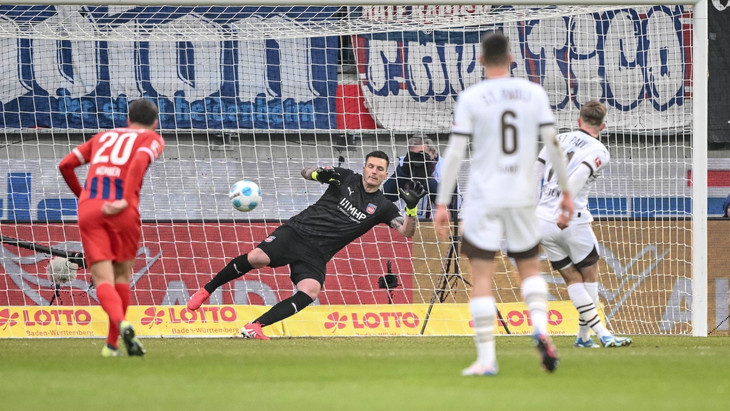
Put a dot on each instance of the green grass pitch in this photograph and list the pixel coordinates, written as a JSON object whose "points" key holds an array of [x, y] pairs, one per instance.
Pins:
{"points": [[404, 373]]}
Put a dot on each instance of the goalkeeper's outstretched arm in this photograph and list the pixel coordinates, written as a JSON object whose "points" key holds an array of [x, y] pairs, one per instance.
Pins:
{"points": [[404, 225], [326, 174]]}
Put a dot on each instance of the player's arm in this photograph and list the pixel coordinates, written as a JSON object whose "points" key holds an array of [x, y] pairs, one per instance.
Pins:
{"points": [[67, 167], [412, 197], [579, 177], [539, 174], [455, 153], [307, 173], [327, 174], [405, 225], [587, 169], [555, 155]]}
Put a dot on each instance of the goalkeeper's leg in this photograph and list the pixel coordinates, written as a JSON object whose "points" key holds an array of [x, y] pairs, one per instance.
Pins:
{"points": [[285, 308], [309, 283], [282, 310], [234, 269]]}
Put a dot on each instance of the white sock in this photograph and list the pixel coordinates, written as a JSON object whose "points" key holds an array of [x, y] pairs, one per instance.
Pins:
{"points": [[483, 312], [586, 309], [534, 293], [592, 289], [584, 330]]}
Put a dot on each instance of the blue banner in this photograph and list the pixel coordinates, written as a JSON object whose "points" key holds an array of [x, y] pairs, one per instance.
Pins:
{"points": [[635, 60], [197, 83]]}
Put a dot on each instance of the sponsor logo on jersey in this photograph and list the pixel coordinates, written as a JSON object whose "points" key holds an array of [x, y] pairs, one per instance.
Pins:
{"points": [[349, 190], [351, 210], [371, 208]]}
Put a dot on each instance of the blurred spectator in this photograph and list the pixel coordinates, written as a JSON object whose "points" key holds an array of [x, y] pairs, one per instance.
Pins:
{"points": [[725, 206]]}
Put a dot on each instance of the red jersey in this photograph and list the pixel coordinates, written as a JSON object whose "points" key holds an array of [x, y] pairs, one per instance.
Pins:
{"points": [[109, 154]]}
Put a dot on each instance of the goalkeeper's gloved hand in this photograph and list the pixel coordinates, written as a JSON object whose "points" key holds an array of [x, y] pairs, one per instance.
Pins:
{"points": [[412, 197], [326, 174]]}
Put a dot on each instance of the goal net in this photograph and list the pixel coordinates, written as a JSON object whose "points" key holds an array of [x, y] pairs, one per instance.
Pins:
{"points": [[260, 92]]}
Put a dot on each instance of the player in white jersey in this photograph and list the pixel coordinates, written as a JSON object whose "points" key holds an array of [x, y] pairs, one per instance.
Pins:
{"points": [[572, 250], [502, 117]]}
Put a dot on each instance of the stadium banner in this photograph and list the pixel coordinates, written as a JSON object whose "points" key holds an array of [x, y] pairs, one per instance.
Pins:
{"points": [[718, 60], [638, 60], [210, 83], [316, 321], [174, 259]]}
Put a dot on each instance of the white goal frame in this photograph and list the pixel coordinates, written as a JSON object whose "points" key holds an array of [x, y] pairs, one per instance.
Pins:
{"points": [[700, 91]]}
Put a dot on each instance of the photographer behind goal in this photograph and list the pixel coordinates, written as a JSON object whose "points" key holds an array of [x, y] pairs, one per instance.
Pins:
{"points": [[421, 164]]}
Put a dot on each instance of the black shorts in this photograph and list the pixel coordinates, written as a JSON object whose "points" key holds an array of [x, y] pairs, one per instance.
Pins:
{"points": [[285, 246]]}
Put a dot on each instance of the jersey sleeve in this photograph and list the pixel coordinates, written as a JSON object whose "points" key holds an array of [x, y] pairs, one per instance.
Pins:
{"points": [[542, 156], [597, 160], [152, 145], [463, 123], [391, 212], [602, 159], [345, 173], [84, 150], [545, 112]]}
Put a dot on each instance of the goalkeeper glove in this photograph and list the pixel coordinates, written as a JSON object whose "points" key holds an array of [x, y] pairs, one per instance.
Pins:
{"points": [[326, 175], [412, 197]]}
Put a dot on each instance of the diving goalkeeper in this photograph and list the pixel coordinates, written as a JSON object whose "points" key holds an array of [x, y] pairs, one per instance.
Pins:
{"points": [[350, 207]]}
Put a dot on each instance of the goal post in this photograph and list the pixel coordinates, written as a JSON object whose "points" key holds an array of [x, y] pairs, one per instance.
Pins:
{"points": [[261, 90], [699, 177]]}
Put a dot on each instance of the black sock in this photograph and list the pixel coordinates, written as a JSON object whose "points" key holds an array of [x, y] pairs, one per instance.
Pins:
{"points": [[285, 308], [236, 268]]}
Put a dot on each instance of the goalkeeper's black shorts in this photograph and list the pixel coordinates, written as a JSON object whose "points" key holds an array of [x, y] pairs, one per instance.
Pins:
{"points": [[285, 246]]}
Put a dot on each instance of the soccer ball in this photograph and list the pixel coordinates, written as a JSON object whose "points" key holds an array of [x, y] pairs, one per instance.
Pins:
{"points": [[245, 195]]}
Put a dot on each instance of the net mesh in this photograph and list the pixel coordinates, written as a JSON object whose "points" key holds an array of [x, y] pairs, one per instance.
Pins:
{"points": [[259, 93]]}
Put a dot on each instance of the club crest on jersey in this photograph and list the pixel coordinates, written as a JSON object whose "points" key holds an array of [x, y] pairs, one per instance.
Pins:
{"points": [[597, 161], [270, 238], [371, 208]]}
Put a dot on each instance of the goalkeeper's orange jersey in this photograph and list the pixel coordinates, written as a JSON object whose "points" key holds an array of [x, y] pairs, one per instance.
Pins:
{"points": [[109, 155]]}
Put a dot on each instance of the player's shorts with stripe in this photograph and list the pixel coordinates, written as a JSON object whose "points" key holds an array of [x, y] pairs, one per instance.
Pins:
{"points": [[114, 238], [285, 246], [576, 242], [486, 229]]}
